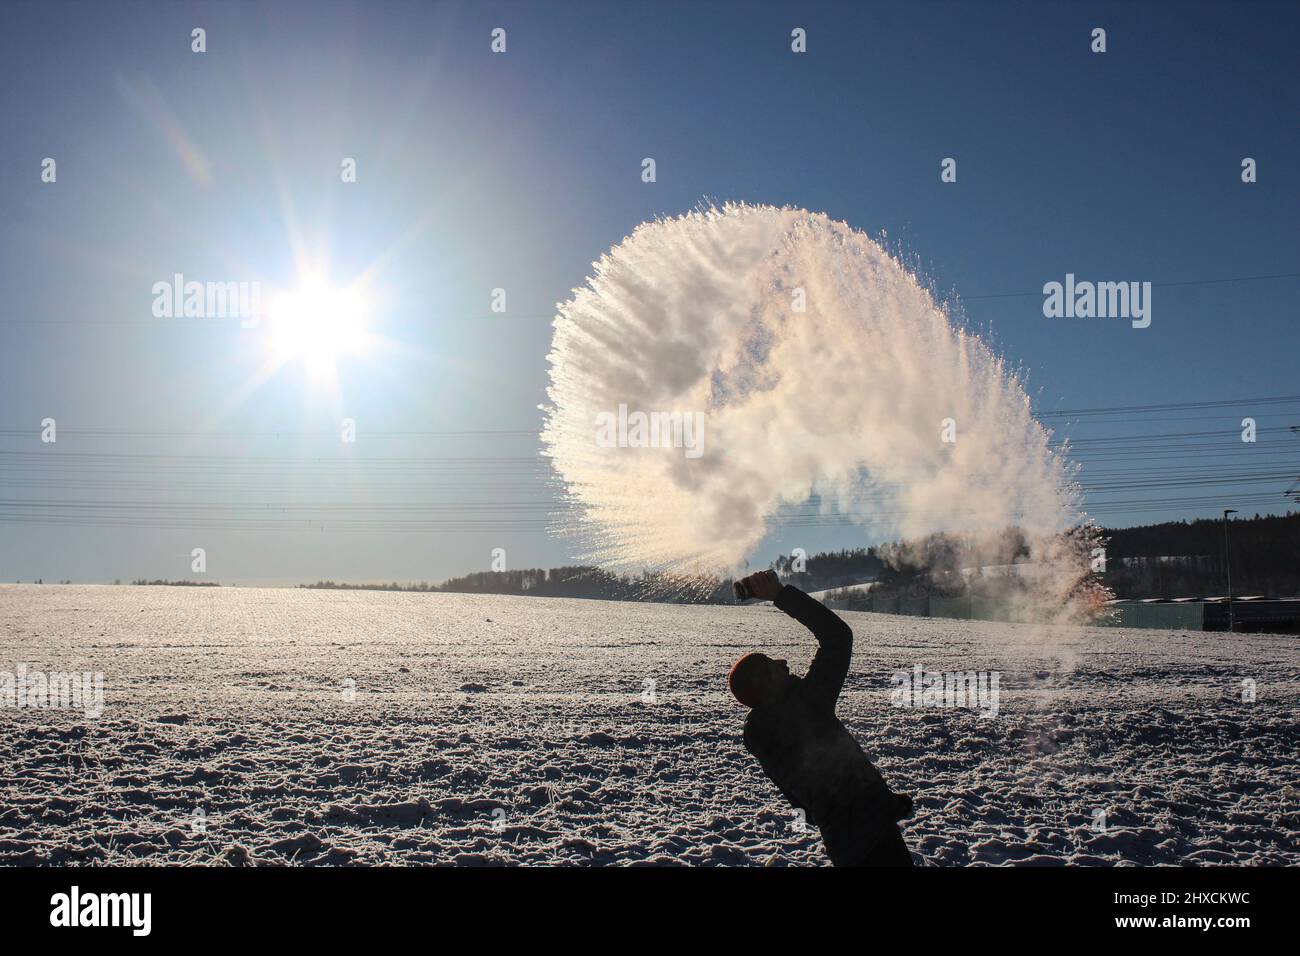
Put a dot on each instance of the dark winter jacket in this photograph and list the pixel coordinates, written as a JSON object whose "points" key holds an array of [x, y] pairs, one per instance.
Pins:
{"points": [[813, 759]]}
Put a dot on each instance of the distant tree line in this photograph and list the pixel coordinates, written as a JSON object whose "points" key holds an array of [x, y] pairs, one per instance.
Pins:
{"points": [[178, 584], [394, 586], [1186, 558], [1171, 559], [582, 581], [828, 569]]}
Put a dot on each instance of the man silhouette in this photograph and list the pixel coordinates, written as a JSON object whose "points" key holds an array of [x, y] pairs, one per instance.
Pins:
{"points": [[805, 750]]}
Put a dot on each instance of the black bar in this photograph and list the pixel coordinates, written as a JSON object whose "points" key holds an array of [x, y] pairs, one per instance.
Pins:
{"points": [[438, 905]]}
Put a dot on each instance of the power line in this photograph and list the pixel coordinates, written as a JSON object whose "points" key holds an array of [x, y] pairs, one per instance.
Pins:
{"points": [[495, 490], [218, 323], [279, 434], [1170, 406]]}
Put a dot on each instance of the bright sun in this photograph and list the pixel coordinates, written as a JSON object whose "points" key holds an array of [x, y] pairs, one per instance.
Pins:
{"points": [[318, 325]]}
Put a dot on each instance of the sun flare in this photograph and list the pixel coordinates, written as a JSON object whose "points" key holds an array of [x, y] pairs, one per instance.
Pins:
{"points": [[317, 325]]}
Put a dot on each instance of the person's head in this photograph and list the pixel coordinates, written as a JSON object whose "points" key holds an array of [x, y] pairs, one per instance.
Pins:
{"points": [[756, 679]]}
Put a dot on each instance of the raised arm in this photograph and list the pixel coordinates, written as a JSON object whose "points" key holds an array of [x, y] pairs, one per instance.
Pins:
{"points": [[830, 665]]}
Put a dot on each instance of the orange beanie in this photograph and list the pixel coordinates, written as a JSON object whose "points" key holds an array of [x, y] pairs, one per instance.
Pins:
{"points": [[745, 679]]}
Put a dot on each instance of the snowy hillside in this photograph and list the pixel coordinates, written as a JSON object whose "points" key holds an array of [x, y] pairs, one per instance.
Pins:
{"points": [[333, 727]]}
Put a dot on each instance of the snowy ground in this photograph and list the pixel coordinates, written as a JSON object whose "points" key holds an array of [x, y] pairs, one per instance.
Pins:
{"points": [[514, 730]]}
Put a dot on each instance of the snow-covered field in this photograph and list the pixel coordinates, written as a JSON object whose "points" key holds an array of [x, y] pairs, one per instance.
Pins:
{"points": [[516, 730]]}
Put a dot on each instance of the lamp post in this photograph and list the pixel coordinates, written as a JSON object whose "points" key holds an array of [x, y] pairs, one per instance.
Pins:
{"points": [[1227, 570]]}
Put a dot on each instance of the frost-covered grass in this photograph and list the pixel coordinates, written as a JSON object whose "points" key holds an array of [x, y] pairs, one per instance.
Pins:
{"points": [[514, 730]]}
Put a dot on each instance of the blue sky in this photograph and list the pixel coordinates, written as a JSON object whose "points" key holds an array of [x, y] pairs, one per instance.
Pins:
{"points": [[479, 171]]}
